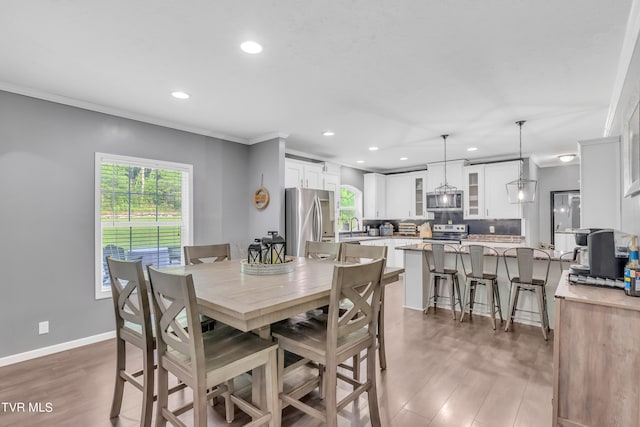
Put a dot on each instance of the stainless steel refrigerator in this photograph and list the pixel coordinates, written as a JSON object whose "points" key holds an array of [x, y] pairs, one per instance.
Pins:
{"points": [[309, 215]]}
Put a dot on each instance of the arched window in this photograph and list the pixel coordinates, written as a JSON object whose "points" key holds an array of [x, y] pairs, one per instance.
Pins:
{"points": [[350, 207]]}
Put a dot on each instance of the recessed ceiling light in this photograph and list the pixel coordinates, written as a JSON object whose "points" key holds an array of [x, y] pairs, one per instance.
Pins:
{"points": [[567, 157], [373, 148], [404, 158], [251, 47], [472, 149], [328, 133], [180, 95], [359, 161]]}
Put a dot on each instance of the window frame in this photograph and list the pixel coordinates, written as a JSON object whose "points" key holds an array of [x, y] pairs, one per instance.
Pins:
{"points": [[358, 200], [187, 205]]}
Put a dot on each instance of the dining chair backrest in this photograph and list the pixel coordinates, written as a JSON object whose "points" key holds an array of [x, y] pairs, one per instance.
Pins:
{"points": [[360, 286], [322, 250], [174, 294], [356, 253], [524, 261], [130, 301], [483, 259], [436, 260], [198, 254]]}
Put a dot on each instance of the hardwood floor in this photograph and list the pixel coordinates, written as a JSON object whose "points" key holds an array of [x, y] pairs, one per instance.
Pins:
{"points": [[440, 373]]}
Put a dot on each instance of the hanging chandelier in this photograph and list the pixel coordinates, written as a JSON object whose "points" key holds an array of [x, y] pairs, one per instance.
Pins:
{"points": [[445, 191], [521, 190]]}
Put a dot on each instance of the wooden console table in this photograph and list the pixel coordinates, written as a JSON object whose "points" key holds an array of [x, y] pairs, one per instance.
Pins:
{"points": [[596, 357]]}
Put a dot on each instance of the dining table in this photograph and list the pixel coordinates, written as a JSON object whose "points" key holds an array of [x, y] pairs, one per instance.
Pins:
{"points": [[253, 302]]}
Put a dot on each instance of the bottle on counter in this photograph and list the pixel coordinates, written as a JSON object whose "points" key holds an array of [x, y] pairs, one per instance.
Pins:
{"points": [[632, 270]]}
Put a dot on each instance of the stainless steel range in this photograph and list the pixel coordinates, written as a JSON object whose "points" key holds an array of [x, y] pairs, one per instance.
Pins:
{"points": [[449, 233]]}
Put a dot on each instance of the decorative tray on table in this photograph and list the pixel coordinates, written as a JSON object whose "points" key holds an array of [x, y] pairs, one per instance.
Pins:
{"points": [[268, 269]]}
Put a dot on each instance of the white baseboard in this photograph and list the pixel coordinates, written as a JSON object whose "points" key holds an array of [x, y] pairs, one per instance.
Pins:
{"points": [[56, 348]]}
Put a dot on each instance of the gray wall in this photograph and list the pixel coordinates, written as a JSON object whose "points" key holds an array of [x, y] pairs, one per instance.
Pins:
{"points": [[554, 179], [353, 177], [629, 98], [266, 165], [47, 216]]}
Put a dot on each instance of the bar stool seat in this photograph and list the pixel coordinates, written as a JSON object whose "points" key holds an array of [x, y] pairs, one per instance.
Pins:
{"points": [[484, 271], [434, 254]]}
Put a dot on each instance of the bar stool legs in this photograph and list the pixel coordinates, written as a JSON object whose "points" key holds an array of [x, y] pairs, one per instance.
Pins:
{"points": [[454, 291], [493, 298], [541, 298]]}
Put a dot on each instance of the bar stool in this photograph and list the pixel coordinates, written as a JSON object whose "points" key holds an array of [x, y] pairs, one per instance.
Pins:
{"points": [[484, 271], [523, 280], [567, 258], [439, 272]]}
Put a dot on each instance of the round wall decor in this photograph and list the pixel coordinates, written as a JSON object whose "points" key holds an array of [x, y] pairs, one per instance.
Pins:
{"points": [[261, 198]]}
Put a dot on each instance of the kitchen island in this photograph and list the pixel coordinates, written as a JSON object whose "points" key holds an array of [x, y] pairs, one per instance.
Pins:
{"points": [[417, 292]]}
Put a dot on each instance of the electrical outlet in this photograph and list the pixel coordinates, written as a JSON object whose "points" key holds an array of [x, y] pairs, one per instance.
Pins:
{"points": [[492, 229], [43, 327]]}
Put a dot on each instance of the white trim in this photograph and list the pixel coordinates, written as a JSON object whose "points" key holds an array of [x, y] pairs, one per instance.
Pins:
{"points": [[267, 137], [35, 93], [187, 208], [626, 54], [56, 348]]}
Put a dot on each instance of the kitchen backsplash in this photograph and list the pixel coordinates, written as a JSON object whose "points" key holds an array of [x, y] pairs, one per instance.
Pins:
{"points": [[510, 227]]}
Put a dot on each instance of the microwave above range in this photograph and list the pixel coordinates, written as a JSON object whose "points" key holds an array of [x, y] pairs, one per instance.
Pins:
{"points": [[438, 202]]}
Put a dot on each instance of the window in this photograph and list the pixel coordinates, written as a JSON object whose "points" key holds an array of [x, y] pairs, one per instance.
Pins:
{"points": [[350, 207], [143, 212]]}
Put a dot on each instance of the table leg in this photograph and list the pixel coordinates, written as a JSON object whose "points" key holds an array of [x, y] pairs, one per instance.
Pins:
{"points": [[258, 391]]}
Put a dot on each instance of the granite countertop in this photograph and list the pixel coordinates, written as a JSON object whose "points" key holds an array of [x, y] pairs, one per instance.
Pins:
{"points": [[555, 255], [499, 238], [496, 238]]}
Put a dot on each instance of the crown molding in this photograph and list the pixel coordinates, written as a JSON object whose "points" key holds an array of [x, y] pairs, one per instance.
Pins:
{"points": [[267, 137], [85, 105]]}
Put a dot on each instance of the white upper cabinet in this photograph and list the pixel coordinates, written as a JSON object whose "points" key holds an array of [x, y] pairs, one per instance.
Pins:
{"points": [[332, 183], [455, 172], [293, 173], [485, 191], [311, 175], [496, 200], [473, 192], [375, 195], [399, 194], [405, 196]]}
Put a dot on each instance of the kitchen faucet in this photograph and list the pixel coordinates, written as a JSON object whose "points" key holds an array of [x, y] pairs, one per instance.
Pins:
{"points": [[351, 225]]}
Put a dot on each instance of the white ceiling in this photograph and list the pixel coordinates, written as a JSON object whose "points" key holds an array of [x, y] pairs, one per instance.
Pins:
{"points": [[394, 74]]}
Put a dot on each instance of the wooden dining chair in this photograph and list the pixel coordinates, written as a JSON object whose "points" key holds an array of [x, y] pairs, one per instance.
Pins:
{"points": [[202, 253], [344, 335], [205, 361], [363, 253], [329, 251], [133, 326], [207, 253]]}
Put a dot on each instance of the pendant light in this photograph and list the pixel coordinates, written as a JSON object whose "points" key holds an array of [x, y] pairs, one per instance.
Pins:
{"points": [[521, 190], [445, 191]]}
